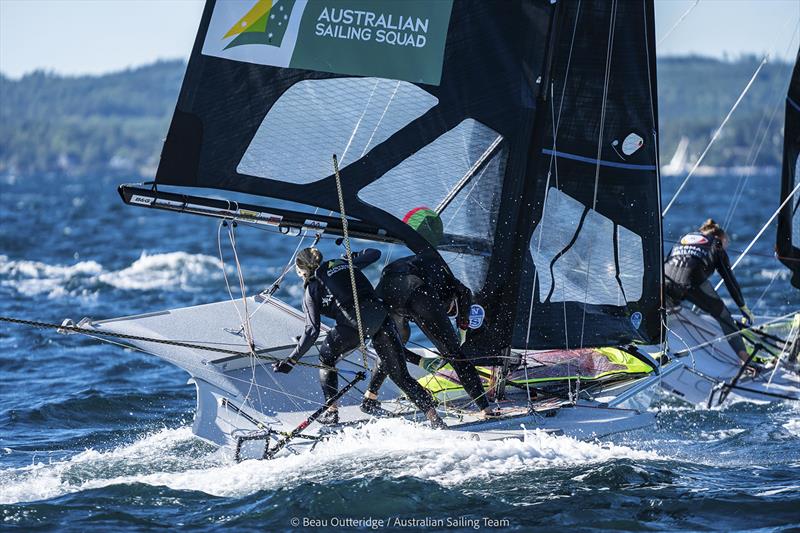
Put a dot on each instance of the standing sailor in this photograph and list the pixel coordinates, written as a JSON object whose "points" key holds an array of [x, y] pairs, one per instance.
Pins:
{"points": [[422, 289], [687, 269], [328, 291]]}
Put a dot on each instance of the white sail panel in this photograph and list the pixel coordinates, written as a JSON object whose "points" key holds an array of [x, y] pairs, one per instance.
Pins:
{"points": [[583, 268], [631, 263], [459, 175], [315, 119]]}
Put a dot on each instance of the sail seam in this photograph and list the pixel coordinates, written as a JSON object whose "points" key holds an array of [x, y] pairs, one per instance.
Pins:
{"points": [[593, 161]]}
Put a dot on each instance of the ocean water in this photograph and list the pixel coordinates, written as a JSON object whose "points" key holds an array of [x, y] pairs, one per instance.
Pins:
{"points": [[94, 435]]}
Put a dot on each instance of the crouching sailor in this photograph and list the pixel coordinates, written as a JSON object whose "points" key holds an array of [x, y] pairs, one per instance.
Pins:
{"points": [[328, 291], [422, 289], [687, 269]]}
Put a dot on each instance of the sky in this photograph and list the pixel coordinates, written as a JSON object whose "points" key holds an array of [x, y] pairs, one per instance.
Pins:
{"points": [[96, 36]]}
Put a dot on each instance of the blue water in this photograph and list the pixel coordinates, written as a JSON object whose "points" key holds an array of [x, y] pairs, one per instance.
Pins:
{"points": [[96, 435]]}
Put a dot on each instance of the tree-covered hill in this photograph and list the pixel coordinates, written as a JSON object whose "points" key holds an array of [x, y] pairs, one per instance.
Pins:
{"points": [[87, 123], [92, 124]]}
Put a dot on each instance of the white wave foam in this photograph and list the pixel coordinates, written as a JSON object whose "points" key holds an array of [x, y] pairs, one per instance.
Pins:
{"points": [[392, 448], [175, 270], [166, 271], [793, 426]]}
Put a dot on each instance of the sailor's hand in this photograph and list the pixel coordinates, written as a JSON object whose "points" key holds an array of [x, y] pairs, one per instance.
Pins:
{"points": [[283, 367], [747, 316]]}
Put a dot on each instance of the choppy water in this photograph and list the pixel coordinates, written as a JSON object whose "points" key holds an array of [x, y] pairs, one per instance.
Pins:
{"points": [[95, 435]]}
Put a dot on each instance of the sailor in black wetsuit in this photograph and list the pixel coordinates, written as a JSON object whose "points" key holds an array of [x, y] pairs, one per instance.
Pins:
{"points": [[328, 291], [422, 289], [687, 269]]}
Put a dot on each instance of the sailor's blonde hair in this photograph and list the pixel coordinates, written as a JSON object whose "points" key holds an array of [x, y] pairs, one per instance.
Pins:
{"points": [[307, 262], [710, 227]]}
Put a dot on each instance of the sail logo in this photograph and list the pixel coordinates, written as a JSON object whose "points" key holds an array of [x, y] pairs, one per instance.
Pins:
{"points": [[381, 38], [265, 23], [688, 240], [636, 319], [477, 314]]}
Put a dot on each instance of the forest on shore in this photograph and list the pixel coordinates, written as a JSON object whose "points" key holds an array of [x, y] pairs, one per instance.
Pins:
{"points": [[117, 122]]}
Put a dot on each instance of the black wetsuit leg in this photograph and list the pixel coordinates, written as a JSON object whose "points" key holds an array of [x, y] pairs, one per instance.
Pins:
{"points": [[387, 344], [340, 340], [429, 313], [381, 372], [706, 298]]}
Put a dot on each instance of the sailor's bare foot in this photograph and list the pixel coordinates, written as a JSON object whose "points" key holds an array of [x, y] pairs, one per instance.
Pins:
{"points": [[434, 418]]}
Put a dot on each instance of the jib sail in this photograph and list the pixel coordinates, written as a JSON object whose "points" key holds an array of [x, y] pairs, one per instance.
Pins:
{"points": [[443, 110], [594, 251], [788, 241]]}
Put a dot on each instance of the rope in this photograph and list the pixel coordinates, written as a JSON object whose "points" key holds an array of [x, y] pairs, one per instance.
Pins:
{"points": [[678, 22], [349, 253], [715, 136], [761, 232]]}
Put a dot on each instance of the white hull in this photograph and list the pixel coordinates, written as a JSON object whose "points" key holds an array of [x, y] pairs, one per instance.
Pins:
{"points": [[710, 363], [240, 394]]}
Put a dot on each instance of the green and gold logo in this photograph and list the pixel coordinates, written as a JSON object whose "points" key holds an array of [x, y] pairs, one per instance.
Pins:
{"points": [[265, 23]]}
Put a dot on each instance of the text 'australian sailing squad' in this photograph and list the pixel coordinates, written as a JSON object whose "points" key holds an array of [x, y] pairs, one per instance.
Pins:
{"points": [[370, 26]]}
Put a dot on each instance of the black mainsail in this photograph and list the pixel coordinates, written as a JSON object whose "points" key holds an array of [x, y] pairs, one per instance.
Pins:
{"points": [[788, 237], [529, 127]]}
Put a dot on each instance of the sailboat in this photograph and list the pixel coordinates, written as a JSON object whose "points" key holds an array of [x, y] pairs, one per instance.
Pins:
{"points": [[712, 373], [530, 129], [678, 164]]}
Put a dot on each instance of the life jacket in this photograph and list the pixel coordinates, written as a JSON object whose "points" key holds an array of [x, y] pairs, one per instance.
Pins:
{"points": [[693, 259]]}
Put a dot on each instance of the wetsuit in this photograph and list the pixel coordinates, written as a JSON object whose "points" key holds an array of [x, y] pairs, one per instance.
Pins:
{"points": [[329, 293], [420, 289], [689, 265]]}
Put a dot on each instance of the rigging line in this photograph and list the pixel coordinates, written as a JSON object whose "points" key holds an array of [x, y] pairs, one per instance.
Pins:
{"points": [[766, 290], [716, 135], [240, 274], [784, 350], [609, 51], [553, 159], [358, 124], [751, 160], [349, 253], [385, 109], [286, 269], [761, 232], [751, 157], [224, 272], [678, 22], [539, 240]]}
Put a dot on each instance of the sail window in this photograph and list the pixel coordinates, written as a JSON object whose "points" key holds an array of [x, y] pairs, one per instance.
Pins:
{"points": [[314, 119], [459, 175], [577, 259]]}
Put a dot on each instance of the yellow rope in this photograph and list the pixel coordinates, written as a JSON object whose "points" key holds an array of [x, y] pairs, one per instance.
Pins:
{"points": [[348, 252]]}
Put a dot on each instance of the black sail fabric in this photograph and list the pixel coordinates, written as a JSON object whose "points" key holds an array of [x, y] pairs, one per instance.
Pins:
{"points": [[788, 238], [594, 257]]}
